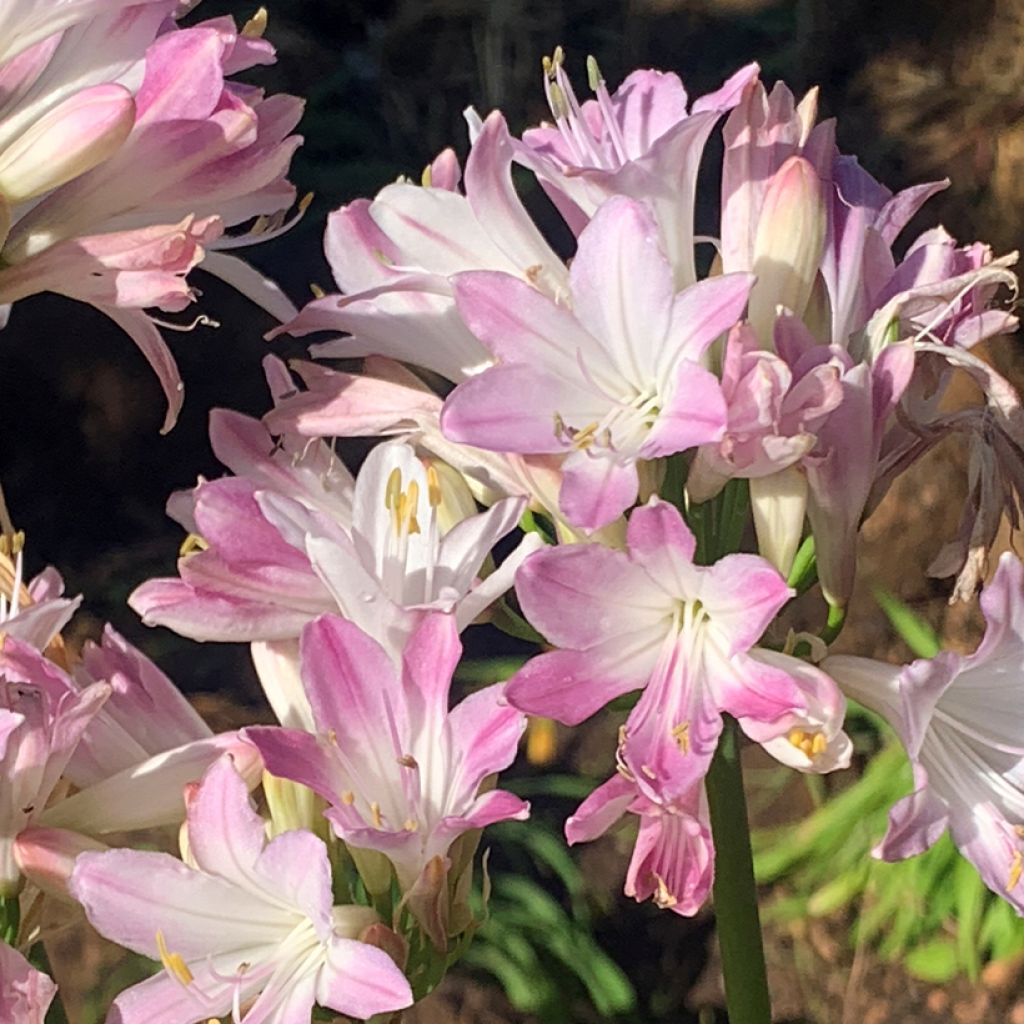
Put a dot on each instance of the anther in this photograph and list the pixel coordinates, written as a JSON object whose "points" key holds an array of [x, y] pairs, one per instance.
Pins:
{"points": [[378, 818], [594, 76], [173, 963], [433, 486]]}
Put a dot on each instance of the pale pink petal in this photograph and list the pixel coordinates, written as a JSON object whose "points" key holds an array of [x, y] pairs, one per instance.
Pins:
{"points": [[360, 980], [605, 806], [694, 412], [597, 488]]}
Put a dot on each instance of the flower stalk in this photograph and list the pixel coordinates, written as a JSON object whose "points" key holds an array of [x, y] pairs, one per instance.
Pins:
{"points": [[735, 892]]}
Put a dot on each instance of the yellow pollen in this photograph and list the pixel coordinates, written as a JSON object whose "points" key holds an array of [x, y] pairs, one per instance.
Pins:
{"points": [[584, 438], [348, 798], [594, 76], [173, 962], [192, 544], [256, 25], [427, 177], [810, 744], [433, 486], [662, 896], [402, 504], [681, 734], [533, 272], [1015, 871], [378, 818], [558, 58], [316, 290], [559, 106], [393, 490], [411, 825]]}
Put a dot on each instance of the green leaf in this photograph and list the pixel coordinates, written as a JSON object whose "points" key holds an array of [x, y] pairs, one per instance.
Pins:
{"points": [[935, 961], [970, 903], [915, 632]]}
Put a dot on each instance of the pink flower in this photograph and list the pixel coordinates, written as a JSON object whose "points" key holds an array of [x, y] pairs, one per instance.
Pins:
{"points": [[139, 748], [649, 618], [282, 545], [392, 259], [401, 773], [25, 993], [124, 153], [959, 716], [673, 860], [609, 375], [38, 734], [249, 930], [35, 613], [640, 141]]}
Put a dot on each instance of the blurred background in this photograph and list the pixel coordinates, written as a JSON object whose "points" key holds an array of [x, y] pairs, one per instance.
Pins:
{"points": [[923, 89]]}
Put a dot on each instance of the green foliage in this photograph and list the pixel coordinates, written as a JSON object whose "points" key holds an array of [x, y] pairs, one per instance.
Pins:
{"points": [[915, 632], [541, 949], [933, 911]]}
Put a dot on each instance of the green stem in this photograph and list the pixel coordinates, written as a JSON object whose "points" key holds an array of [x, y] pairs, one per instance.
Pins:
{"points": [[735, 893], [10, 919]]}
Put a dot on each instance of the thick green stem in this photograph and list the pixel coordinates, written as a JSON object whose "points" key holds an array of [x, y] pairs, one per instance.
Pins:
{"points": [[10, 919], [738, 924]]}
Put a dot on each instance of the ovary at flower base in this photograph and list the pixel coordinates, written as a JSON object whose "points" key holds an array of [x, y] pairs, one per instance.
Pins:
{"points": [[247, 928], [960, 718], [649, 618]]}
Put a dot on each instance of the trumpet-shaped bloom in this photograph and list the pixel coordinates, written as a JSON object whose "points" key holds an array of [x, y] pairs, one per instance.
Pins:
{"points": [[402, 774], [25, 993], [249, 930], [673, 861], [611, 376], [961, 721], [38, 735], [280, 550], [649, 618], [125, 152], [640, 141], [392, 258], [138, 749]]}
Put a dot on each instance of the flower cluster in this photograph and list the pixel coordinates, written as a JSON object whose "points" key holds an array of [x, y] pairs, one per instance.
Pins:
{"points": [[125, 154], [631, 410]]}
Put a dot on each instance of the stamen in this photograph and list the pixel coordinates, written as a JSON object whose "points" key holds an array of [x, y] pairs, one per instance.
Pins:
{"points": [[433, 486], [173, 963], [378, 818], [681, 734], [594, 77], [348, 798], [411, 825], [662, 896], [427, 177], [191, 545], [1015, 871], [393, 490]]}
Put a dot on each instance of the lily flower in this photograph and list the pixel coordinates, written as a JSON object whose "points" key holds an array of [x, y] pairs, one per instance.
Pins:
{"points": [[402, 775], [649, 618], [124, 154], [249, 930], [673, 860], [641, 141], [278, 552], [609, 376], [960, 719]]}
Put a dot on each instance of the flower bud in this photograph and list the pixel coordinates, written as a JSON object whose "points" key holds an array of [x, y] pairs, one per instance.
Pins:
{"points": [[46, 857], [71, 139], [779, 502], [788, 245]]}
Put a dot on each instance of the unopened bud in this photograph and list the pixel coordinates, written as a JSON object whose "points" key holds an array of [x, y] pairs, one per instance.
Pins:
{"points": [[46, 857], [788, 245], [779, 502], [71, 139]]}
